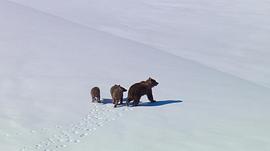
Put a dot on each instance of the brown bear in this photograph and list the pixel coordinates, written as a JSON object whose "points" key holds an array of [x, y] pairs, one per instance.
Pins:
{"points": [[137, 90], [95, 93], [117, 94]]}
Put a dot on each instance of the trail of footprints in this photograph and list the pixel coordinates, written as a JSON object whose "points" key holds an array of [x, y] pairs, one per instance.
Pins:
{"points": [[62, 136]]}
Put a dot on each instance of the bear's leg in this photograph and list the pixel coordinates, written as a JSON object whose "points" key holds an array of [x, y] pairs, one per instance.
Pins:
{"points": [[121, 101], [93, 99], [98, 99], [136, 101], [128, 101], [115, 103], [150, 96]]}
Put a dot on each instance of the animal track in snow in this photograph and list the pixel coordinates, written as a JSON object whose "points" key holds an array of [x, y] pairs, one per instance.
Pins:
{"points": [[63, 136]]}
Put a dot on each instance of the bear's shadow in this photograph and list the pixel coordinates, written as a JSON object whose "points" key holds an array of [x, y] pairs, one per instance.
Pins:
{"points": [[158, 103], [106, 101]]}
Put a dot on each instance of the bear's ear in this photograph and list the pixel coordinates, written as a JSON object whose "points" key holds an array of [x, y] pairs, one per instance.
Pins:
{"points": [[124, 90], [149, 78]]}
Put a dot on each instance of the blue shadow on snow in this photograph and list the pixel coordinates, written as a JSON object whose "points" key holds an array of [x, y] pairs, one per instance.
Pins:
{"points": [[158, 103]]}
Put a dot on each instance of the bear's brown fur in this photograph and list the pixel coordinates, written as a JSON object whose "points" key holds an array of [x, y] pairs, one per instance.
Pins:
{"points": [[95, 93], [137, 90], [117, 94]]}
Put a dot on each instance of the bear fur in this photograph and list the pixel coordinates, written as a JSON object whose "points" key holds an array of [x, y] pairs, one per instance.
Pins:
{"points": [[137, 90], [117, 94], [95, 94]]}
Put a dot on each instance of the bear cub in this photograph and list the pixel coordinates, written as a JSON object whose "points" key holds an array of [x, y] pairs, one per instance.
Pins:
{"points": [[117, 94], [137, 90], [95, 94]]}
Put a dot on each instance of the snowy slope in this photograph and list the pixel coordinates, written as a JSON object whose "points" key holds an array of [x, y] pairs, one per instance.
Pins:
{"points": [[228, 35], [48, 65]]}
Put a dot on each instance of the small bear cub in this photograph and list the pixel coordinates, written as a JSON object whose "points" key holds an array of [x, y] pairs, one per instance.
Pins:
{"points": [[117, 94], [95, 93]]}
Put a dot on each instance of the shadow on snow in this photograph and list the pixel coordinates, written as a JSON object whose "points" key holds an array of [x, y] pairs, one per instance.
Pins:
{"points": [[158, 103]]}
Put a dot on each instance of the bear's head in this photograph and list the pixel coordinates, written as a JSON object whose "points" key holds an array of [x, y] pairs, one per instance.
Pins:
{"points": [[123, 89], [152, 82]]}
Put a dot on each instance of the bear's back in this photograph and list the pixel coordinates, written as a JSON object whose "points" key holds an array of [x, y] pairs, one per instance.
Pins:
{"points": [[117, 93], [138, 89], [95, 91], [112, 89]]}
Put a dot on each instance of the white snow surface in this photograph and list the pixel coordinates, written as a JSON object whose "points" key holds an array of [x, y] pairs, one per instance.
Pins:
{"points": [[53, 52], [228, 35]]}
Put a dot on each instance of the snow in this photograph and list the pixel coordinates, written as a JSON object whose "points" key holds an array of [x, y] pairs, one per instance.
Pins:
{"points": [[49, 62], [228, 35]]}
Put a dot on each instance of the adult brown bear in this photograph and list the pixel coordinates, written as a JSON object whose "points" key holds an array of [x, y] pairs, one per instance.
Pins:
{"points": [[137, 90]]}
